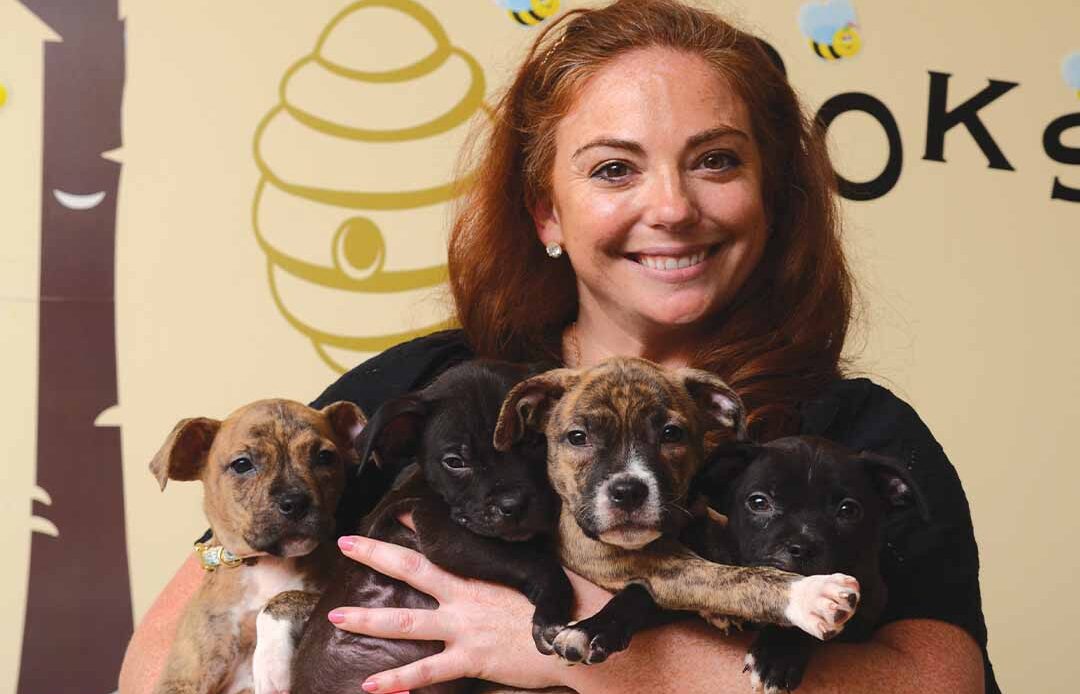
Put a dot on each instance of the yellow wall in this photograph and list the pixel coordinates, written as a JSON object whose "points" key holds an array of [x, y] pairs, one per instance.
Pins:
{"points": [[967, 272]]}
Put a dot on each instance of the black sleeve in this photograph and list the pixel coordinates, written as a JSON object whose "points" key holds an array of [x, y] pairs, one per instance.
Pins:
{"points": [[398, 370], [931, 569]]}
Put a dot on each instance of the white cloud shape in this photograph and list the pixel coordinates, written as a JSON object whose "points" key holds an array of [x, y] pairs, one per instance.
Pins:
{"points": [[1070, 69], [820, 21]]}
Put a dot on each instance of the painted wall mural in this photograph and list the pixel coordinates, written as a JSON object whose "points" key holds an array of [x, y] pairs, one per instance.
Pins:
{"points": [[335, 210], [78, 554]]}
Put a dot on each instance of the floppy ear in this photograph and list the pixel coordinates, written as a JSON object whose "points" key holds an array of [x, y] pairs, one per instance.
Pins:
{"points": [[183, 454], [729, 460], [393, 432], [346, 419], [716, 400], [528, 403], [894, 483]]}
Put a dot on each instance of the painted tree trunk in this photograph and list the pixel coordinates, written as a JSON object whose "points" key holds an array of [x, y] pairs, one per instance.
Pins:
{"points": [[78, 614]]}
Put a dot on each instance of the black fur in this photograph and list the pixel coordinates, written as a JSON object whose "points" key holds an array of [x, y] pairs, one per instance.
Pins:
{"points": [[478, 512]]}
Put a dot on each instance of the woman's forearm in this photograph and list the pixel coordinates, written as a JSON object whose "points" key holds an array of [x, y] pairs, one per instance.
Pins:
{"points": [[153, 638], [908, 657]]}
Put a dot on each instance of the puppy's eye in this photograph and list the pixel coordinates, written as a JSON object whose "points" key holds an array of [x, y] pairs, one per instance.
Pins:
{"points": [[577, 437], [454, 462], [241, 466], [759, 503], [672, 434], [325, 457], [849, 510]]}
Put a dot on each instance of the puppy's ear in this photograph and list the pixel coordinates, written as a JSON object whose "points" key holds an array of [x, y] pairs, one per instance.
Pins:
{"points": [[528, 403], [716, 399], [183, 454], [393, 432], [894, 483], [346, 419], [727, 461]]}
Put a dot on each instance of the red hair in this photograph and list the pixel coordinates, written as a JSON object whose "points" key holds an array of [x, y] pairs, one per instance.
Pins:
{"points": [[779, 340]]}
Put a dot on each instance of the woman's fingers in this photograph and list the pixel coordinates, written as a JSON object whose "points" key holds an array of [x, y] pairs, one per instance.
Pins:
{"points": [[390, 623], [400, 563], [440, 667]]}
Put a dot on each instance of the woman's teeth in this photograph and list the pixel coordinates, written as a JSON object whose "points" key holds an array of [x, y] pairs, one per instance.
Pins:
{"points": [[669, 262]]}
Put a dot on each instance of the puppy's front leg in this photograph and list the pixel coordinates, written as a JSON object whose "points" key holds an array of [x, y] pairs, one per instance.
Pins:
{"points": [[527, 566], [277, 633], [777, 659], [819, 605], [609, 631]]}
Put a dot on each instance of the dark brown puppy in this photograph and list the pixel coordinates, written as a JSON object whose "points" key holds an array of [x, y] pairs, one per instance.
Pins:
{"points": [[272, 474], [478, 512], [806, 505], [625, 439]]}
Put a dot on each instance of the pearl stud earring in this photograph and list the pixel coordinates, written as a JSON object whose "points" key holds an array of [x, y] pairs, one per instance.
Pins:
{"points": [[554, 250]]}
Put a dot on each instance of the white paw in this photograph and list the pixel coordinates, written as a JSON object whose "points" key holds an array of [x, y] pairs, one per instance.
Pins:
{"points": [[572, 645], [821, 605], [271, 664]]}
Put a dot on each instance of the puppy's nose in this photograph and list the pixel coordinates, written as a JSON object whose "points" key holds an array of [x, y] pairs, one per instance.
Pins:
{"points": [[802, 550], [628, 494], [511, 505], [293, 505]]}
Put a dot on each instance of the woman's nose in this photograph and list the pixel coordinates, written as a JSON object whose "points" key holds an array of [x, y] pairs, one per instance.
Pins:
{"points": [[669, 203]]}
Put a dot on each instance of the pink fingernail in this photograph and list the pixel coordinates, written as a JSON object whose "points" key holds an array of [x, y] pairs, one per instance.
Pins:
{"points": [[369, 685], [337, 617], [346, 543]]}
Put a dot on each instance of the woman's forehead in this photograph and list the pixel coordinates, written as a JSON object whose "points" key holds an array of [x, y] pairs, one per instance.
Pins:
{"points": [[652, 94]]}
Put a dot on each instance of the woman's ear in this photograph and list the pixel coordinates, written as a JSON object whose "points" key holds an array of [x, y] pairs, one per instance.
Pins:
{"points": [[546, 219]]}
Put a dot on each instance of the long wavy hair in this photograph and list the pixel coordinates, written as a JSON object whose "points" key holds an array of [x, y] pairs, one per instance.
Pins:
{"points": [[779, 340]]}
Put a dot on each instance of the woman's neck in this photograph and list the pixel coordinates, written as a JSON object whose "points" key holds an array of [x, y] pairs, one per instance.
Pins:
{"points": [[596, 336]]}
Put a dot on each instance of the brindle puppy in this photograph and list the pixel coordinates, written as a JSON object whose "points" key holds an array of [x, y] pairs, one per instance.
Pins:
{"points": [[625, 438]]}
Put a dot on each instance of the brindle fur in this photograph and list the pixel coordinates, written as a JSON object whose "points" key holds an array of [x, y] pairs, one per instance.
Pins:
{"points": [[216, 636], [622, 404]]}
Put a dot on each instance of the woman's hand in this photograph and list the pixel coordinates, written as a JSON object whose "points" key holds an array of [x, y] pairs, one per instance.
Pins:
{"points": [[487, 628]]}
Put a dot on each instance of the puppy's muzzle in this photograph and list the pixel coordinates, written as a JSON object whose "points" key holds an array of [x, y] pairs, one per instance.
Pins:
{"points": [[294, 505], [628, 494]]}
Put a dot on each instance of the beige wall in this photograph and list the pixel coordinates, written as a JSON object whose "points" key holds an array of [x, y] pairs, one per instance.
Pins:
{"points": [[967, 272]]}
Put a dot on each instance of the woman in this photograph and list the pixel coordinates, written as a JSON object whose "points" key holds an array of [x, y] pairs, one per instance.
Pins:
{"points": [[651, 187]]}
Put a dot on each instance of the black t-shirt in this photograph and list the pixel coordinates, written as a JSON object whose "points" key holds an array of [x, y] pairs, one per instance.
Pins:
{"points": [[931, 569]]}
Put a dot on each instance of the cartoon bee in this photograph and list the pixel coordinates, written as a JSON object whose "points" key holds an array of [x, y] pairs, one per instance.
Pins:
{"points": [[530, 12], [831, 29]]}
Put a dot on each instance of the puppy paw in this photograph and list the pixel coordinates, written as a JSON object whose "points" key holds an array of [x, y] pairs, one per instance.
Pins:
{"points": [[764, 681], [777, 659], [271, 663], [544, 636], [821, 605], [590, 642]]}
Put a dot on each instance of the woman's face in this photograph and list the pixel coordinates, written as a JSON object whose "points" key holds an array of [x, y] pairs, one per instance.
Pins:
{"points": [[656, 191]]}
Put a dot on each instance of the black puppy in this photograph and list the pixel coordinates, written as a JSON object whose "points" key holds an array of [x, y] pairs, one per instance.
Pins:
{"points": [[807, 505], [478, 512]]}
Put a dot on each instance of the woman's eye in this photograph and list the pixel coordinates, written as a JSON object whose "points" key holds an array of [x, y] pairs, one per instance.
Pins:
{"points": [[849, 510], [325, 457], [758, 503], [719, 161], [672, 434], [241, 466], [454, 462], [612, 171], [577, 438]]}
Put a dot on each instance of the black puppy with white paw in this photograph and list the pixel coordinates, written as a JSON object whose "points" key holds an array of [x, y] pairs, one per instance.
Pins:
{"points": [[807, 505]]}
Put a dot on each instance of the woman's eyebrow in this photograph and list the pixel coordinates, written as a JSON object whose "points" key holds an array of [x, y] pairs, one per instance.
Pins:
{"points": [[635, 148]]}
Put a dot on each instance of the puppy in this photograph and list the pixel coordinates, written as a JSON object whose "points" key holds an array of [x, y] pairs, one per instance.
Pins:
{"points": [[625, 439], [806, 505], [272, 474], [478, 512]]}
